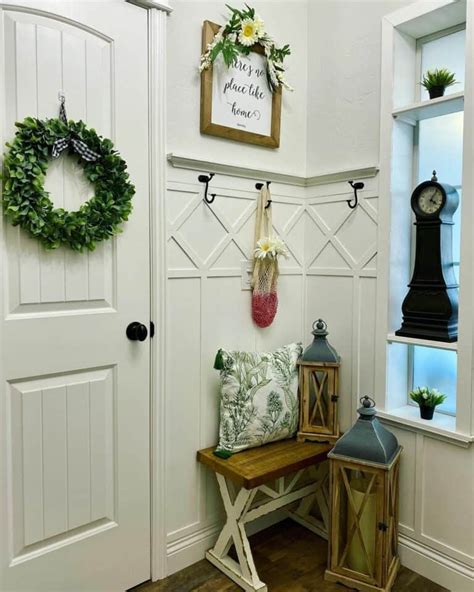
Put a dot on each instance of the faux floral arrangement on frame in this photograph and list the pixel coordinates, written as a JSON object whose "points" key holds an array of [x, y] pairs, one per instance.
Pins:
{"points": [[243, 30]]}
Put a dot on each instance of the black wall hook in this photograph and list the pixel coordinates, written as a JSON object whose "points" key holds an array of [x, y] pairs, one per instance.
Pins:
{"points": [[259, 186], [205, 179], [356, 187]]}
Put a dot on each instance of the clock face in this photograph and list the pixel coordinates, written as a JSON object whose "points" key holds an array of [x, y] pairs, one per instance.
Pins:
{"points": [[430, 200]]}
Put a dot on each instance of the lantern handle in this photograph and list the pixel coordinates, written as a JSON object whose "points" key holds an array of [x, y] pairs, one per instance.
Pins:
{"points": [[367, 402], [320, 325]]}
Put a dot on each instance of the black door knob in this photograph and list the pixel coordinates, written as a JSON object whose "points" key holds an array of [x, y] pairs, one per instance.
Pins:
{"points": [[137, 332]]}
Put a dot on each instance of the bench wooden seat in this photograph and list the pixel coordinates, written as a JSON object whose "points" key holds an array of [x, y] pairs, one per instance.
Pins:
{"points": [[261, 480], [257, 466]]}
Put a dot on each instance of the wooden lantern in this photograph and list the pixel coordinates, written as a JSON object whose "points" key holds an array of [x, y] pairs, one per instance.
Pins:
{"points": [[364, 471], [319, 384]]}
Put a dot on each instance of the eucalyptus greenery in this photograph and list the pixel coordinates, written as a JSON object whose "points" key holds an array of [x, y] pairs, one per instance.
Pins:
{"points": [[27, 204], [438, 77], [428, 397]]}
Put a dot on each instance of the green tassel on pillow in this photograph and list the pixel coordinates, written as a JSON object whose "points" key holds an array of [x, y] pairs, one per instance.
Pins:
{"points": [[219, 361], [222, 453]]}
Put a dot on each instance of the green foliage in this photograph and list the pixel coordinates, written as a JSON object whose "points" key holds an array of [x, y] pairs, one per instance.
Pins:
{"points": [[279, 54], [426, 396], [438, 77], [27, 204], [233, 25], [285, 373]]}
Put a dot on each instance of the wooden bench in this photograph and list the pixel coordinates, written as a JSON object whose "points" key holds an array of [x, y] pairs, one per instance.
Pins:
{"points": [[255, 482]]}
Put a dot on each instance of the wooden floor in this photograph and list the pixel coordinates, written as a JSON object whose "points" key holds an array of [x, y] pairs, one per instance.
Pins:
{"points": [[289, 558]]}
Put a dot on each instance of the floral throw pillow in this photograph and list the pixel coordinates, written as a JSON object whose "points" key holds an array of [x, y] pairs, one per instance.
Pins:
{"points": [[259, 398]]}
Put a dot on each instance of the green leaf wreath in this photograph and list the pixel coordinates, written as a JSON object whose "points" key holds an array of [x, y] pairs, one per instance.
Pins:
{"points": [[27, 204], [242, 31]]}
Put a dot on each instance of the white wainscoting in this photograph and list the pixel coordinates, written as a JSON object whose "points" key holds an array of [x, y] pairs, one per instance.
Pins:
{"points": [[331, 273], [207, 309]]}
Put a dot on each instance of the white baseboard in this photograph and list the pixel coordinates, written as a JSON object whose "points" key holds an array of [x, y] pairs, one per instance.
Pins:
{"points": [[192, 548], [439, 568]]}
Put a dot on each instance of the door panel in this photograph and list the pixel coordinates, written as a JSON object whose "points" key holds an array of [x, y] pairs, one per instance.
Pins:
{"points": [[74, 396], [43, 57]]}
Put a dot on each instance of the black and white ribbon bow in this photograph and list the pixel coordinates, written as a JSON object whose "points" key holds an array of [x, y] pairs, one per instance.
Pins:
{"points": [[76, 144]]}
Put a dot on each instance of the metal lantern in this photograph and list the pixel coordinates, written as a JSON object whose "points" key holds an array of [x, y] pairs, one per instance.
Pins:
{"points": [[319, 380], [364, 472]]}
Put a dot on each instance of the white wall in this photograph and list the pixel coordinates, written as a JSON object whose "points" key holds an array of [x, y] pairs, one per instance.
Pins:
{"points": [[330, 125], [344, 82], [207, 309], [286, 20], [206, 306], [437, 481]]}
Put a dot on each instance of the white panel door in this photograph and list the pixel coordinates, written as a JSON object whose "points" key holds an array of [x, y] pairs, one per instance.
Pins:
{"points": [[74, 391]]}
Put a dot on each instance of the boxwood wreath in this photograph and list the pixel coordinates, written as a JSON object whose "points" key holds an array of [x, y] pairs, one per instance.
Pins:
{"points": [[27, 204]]}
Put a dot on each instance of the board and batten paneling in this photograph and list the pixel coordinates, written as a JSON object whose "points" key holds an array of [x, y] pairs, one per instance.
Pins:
{"points": [[207, 245], [331, 273], [436, 479]]}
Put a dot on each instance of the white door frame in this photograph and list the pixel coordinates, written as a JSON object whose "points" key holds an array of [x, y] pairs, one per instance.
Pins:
{"points": [[157, 16]]}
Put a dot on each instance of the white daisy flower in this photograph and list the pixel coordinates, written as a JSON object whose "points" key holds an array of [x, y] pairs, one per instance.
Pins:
{"points": [[259, 26], [248, 35], [271, 246], [264, 248], [279, 246]]}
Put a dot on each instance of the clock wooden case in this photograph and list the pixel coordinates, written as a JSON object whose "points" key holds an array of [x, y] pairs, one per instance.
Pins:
{"points": [[430, 309]]}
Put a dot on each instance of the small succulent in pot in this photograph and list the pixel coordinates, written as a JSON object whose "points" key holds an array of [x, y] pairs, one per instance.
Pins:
{"points": [[437, 81], [427, 398]]}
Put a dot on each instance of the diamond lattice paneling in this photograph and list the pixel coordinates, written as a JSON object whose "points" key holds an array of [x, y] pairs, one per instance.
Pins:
{"points": [[358, 234]]}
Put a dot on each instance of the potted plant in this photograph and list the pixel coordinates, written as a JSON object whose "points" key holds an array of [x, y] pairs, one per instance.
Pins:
{"points": [[427, 398], [436, 81]]}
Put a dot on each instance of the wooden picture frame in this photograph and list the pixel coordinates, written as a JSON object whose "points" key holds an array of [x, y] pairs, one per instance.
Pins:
{"points": [[233, 133]]}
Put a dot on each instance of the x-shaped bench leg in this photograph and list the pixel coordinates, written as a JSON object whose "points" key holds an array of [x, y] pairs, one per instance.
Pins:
{"points": [[302, 514], [242, 572]]}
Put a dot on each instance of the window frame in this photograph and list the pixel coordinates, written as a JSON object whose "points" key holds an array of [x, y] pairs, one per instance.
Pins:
{"points": [[400, 108], [416, 180]]}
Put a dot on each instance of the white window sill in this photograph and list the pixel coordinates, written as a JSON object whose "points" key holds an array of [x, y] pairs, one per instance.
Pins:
{"points": [[442, 426]]}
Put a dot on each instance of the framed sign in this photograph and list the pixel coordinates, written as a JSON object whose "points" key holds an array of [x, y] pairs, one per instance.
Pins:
{"points": [[236, 102]]}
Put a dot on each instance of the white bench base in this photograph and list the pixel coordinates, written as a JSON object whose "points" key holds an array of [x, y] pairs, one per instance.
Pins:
{"points": [[247, 505]]}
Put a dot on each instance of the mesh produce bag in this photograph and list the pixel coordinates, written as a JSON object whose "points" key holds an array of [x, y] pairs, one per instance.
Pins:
{"points": [[265, 264]]}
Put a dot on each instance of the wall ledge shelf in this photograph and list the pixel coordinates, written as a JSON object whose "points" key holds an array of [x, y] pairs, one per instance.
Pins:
{"points": [[415, 112], [441, 427], [195, 164], [392, 338]]}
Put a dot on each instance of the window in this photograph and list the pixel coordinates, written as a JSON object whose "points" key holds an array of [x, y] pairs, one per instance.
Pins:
{"points": [[444, 50], [440, 147], [436, 368], [417, 136]]}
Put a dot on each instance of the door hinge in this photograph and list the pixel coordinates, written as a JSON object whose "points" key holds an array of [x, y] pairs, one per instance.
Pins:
{"points": [[334, 398], [152, 329], [383, 526]]}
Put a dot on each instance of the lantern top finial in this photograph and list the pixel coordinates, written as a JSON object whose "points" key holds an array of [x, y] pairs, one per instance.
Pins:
{"points": [[320, 327], [368, 408], [367, 439], [320, 350]]}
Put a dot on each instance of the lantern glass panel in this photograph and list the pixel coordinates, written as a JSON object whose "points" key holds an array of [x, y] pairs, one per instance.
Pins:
{"points": [[318, 395], [320, 391], [360, 492]]}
